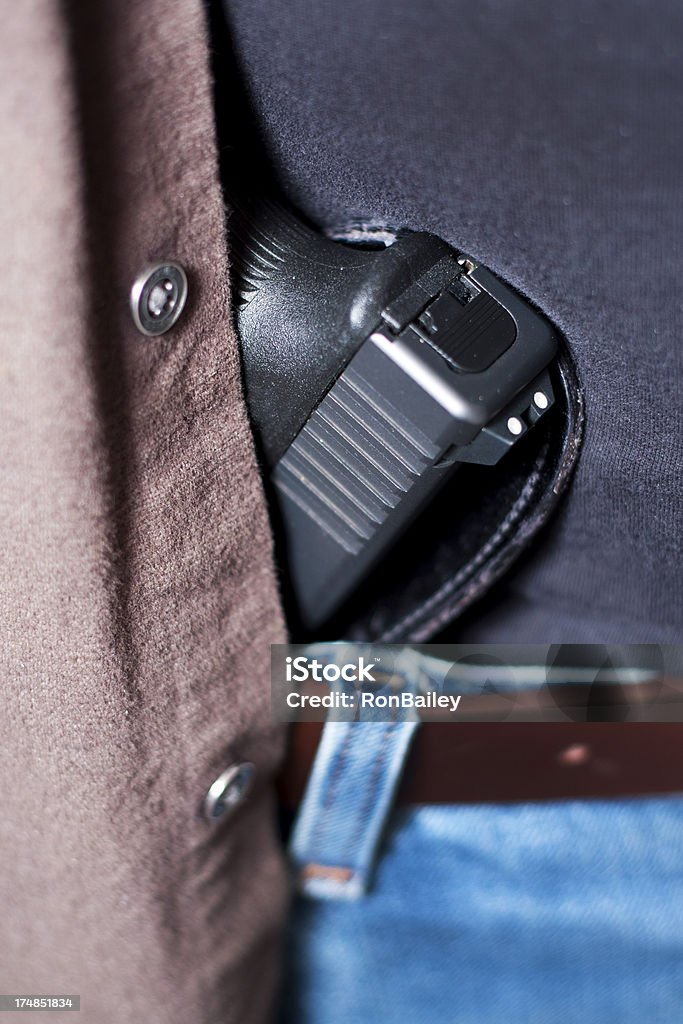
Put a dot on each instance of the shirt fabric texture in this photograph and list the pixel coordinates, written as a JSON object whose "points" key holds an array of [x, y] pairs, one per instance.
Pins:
{"points": [[138, 593]]}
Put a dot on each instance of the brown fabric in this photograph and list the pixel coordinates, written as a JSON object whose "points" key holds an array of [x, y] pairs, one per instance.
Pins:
{"points": [[138, 595]]}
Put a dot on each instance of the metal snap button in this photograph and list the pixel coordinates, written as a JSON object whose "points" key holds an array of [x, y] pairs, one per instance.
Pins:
{"points": [[228, 791], [158, 297]]}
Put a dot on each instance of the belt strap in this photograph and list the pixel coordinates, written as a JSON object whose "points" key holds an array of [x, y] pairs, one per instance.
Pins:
{"points": [[502, 762], [350, 793], [348, 800]]}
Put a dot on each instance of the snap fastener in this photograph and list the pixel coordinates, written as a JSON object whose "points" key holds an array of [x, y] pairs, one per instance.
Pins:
{"points": [[228, 791], [158, 297]]}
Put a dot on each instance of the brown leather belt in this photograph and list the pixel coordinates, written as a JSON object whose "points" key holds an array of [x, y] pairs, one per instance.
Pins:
{"points": [[502, 762]]}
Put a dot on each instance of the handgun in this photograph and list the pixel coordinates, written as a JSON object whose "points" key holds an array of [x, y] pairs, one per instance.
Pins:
{"points": [[371, 374]]}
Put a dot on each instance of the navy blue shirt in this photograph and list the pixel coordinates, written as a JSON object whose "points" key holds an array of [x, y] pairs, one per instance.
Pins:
{"points": [[545, 140]]}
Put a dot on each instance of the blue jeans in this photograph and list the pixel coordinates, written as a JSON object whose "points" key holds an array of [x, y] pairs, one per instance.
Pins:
{"points": [[548, 913]]}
